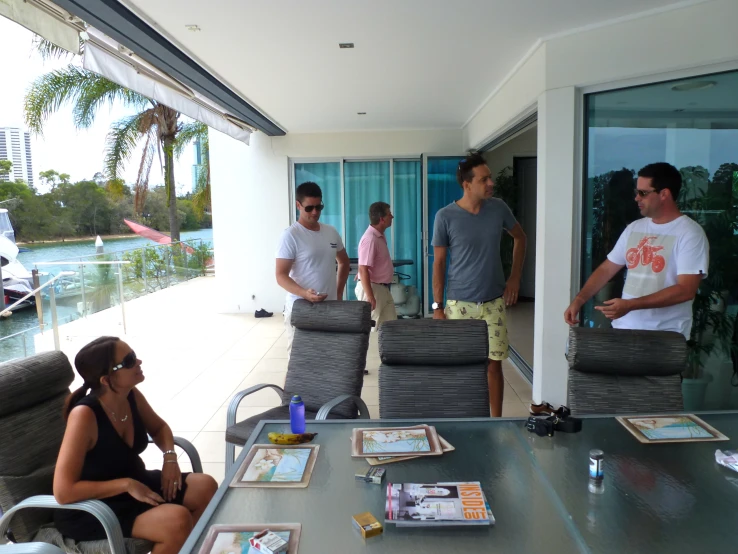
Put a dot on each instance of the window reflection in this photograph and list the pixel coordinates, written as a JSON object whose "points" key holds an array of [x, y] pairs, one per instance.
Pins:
{"points": [[692, 124]]}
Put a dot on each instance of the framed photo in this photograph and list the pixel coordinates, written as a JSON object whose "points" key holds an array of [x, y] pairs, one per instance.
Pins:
{"points": [[395, 441], [271, 466], [445, 445], [234, 539], [670, 428]]}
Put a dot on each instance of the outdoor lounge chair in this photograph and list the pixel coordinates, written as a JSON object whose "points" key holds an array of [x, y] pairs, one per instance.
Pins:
{"points": [[326, 368], [32, 426], [622, 371], [433, 368]]}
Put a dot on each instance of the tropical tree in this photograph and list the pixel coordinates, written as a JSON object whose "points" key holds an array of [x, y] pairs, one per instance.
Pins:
{"points": [[154, 125], [6, 166], [52, 178]]}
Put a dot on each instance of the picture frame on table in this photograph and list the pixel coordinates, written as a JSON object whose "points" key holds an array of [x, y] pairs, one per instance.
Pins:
{"points": [[421, 440], [234, 539], [671, 428], [273, 466]]}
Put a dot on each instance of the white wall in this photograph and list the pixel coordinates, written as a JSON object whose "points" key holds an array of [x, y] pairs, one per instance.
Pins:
{"points": [[250, 210], [368, 143], [251, 204], [689, 37], [554, 240]]}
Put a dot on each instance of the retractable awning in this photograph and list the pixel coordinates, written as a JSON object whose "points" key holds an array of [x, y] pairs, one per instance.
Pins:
{"points": [[45, 19], [105, 56], [113, 61]]}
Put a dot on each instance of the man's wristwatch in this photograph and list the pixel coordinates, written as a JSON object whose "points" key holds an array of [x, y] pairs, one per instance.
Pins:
{"points": [[436, 306]]}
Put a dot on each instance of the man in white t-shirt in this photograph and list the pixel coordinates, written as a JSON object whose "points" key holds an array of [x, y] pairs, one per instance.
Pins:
{"points": [[667, 255], [307, 256]]}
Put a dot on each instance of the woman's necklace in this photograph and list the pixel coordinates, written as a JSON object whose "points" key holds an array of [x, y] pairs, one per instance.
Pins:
{"points": [[112, 412]]}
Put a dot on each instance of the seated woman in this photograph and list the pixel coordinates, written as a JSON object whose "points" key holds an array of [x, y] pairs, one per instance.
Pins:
{"points": [[99, 456]]}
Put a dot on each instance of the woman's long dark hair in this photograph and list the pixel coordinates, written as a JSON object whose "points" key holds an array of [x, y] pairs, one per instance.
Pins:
{"points": [[95, 360]]}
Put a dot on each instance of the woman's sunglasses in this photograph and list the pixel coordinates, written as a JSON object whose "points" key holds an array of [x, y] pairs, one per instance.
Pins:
{"points": [[128, 362], [309, 209]]}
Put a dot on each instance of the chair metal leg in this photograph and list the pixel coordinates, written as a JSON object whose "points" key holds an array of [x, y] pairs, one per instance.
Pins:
{"points": [[230, 455]]}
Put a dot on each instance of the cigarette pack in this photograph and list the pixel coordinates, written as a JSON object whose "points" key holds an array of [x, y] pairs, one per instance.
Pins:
{"points": [[367, 524], [268, 543], [372, 475]]}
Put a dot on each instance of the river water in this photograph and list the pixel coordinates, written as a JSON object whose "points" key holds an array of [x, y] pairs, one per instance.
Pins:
{"points": [[58, 251]]}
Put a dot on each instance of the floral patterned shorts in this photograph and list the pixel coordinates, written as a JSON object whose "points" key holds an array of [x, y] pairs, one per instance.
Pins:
{"points": [[493, 313]]}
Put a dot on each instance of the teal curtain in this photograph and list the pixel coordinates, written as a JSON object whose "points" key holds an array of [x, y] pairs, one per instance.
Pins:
{"points": [[365, 183], [408, 227], [442, 190], [328, 177]]}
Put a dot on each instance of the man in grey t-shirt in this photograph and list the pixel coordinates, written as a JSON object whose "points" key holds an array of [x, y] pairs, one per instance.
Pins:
{"points": [[471, 229]]}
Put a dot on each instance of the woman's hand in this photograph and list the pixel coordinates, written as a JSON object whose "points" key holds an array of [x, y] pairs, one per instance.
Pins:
{"points": [[171, 478], [142, 493]]}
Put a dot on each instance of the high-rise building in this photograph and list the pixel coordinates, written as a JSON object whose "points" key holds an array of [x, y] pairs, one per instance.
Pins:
{"points": [[15, 145]]}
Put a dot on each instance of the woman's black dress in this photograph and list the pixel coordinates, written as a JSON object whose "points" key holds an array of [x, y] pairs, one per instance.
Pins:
{"points": [[111, 458]]}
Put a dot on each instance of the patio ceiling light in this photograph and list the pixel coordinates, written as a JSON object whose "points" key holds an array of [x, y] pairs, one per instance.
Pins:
{"points": [[693, 85], [360, 113], [345, 44], [193, 28]]}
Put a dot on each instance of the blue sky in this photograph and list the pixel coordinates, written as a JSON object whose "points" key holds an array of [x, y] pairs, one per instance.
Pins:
{"points": [[63, 147]]}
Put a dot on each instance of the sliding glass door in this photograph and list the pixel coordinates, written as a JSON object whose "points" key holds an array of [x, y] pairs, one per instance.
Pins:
{"points": [[693, 125], [441, 188]]}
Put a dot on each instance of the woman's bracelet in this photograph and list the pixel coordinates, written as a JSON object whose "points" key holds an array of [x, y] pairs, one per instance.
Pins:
{"points": [[170, 452], [171, 461]]}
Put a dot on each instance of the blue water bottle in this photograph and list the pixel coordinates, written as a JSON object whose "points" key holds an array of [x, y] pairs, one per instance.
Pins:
{"points": [[297, 414]]}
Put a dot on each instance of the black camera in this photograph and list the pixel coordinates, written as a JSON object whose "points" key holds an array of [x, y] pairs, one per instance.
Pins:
{"points": [[561, 420], [543, 427]]}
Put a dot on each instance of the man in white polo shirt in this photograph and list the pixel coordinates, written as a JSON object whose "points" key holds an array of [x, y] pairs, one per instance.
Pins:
{"points": [[375, 265], [307, 256]]}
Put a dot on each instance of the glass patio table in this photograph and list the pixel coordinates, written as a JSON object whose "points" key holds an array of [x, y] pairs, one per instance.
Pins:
{"points": [[667, 497], [671, 497]]}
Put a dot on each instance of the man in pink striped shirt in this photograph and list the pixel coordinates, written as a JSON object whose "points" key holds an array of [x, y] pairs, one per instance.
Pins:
{"points": [[375, 265]]}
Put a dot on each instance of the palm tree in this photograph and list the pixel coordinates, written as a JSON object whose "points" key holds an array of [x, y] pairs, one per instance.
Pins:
{"points": [[155, 125]]}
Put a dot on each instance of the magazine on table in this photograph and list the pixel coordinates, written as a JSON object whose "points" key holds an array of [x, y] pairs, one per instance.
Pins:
{"points": [[437, 504]]}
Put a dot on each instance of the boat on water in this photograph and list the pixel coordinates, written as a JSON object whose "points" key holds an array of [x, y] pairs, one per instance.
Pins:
{"points": [[17, 280]]}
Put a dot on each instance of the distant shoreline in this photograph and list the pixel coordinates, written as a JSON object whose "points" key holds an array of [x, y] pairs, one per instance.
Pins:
{"points": [[92, 238], [77, 239]]}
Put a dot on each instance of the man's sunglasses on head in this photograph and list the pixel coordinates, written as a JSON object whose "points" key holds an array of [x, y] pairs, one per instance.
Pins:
{"points": [[128, 362], [309, 209]]}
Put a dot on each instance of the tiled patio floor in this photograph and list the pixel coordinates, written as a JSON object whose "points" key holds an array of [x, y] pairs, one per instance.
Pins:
{"points": [[195, 360]]}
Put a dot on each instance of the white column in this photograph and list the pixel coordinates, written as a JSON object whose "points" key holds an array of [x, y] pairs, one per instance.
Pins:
{"points": [[250, 195], [554, 241]]}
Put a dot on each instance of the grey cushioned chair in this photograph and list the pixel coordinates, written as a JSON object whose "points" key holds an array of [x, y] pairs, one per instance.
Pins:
{"points": [[326, 368], [433, 368], [619, 371], [32, 426]]}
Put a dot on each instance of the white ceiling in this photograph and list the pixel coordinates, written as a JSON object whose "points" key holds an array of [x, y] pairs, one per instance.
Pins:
{"points": [[418, 64]]}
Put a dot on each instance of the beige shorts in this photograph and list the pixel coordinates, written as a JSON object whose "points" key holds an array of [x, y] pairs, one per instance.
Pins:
{"points": [[385, 310], [493, 313]]}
